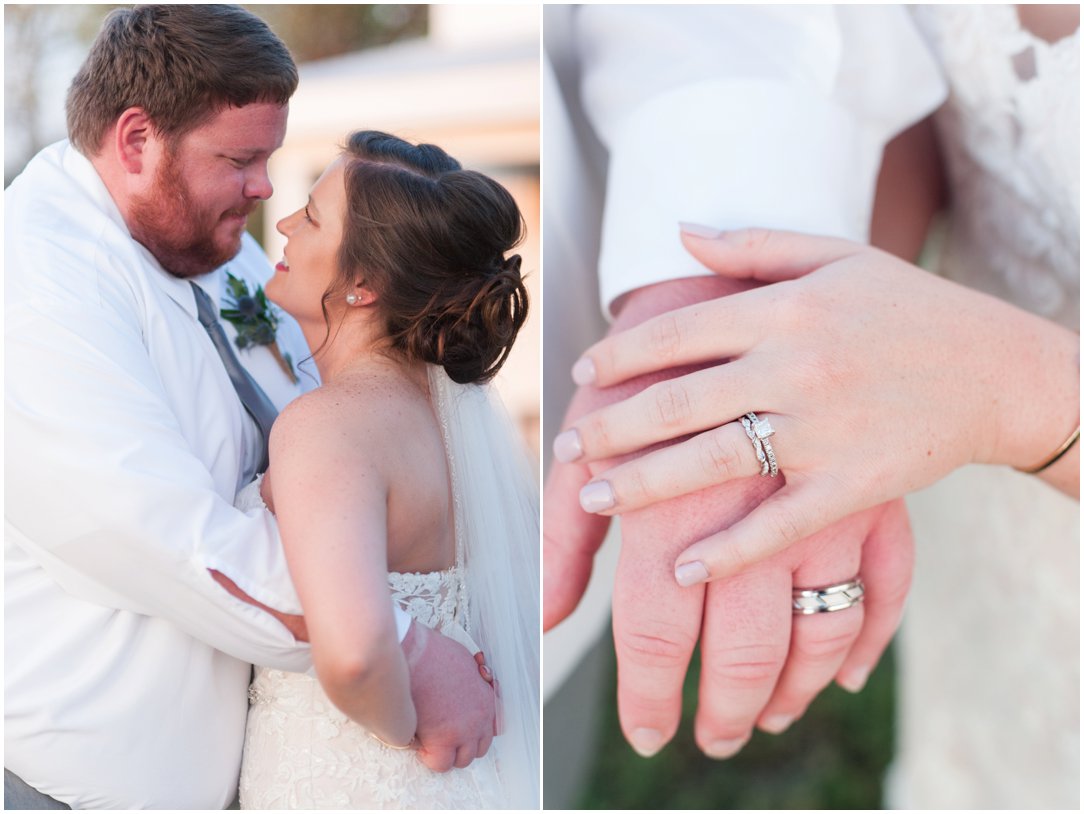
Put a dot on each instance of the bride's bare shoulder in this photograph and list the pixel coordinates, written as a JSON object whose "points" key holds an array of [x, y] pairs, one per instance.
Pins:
{"points": [[365, 413]]}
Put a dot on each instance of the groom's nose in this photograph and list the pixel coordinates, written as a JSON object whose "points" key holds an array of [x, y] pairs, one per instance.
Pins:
{"points": [[258, 182]]}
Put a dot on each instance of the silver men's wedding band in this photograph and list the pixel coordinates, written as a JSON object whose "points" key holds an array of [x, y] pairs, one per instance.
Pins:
{"points": [[759, 432], [827, 600]]}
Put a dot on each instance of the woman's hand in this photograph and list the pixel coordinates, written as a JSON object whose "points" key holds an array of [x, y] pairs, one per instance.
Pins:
{"points": [[761, 665], [877, 378]]}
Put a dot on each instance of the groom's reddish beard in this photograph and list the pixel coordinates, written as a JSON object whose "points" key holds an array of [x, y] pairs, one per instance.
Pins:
{"points": [[180, 235]]}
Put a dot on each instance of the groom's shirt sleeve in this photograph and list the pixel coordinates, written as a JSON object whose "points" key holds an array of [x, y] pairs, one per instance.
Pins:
{"points": [[737, 116], [119, 479]]}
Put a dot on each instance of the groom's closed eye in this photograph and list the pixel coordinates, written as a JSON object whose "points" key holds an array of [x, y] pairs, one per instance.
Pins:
{"points": [[240, 161]]}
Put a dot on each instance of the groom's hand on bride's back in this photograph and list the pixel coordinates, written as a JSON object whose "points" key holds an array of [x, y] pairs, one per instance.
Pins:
{"points": [[456, 706]]}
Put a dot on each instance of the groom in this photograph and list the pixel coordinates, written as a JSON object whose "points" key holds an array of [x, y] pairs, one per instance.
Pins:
{"points": [[130, 428]]}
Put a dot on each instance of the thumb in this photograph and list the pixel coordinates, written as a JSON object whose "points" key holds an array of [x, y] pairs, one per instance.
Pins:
{"points": [[570, 538], [764, 255]]}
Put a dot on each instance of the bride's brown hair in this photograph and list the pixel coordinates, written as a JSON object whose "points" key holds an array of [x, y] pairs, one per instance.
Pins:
{"points": [[430, 239]]}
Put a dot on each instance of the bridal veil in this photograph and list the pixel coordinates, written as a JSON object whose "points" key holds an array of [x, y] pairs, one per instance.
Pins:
{"points": [[495, 504]]}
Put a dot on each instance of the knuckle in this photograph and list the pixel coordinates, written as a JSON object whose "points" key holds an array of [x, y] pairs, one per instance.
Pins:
{"points": [[789, 305], [745, 666], [670, 403], [758, 240], [606, 357], [718, 458], [637, 486], [821, 648], [732, 559], [786, 524], [439, 760], [595, 435], [665, 338], [654, 645]]}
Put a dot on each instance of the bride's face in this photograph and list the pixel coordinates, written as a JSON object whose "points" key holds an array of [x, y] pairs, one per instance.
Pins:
{"points": [[311, 257]]}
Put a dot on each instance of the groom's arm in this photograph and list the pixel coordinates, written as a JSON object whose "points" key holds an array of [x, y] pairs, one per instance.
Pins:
{"points": [[452, 692], [293, 622], [105, 493]]}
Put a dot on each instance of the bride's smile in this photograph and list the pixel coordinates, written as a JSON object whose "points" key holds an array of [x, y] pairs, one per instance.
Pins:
{"points": [[310, 263]]}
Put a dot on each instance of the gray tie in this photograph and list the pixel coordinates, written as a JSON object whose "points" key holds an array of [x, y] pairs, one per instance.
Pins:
{"points": [[254, 399]]}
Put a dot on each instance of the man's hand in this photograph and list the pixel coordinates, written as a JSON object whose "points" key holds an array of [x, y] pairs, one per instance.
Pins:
{"points": [[294, 624], [456, 705], [761, 666]]}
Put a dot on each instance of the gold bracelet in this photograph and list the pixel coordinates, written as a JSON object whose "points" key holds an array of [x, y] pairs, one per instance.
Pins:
{"points": [[409, 745], [1065, 447]]}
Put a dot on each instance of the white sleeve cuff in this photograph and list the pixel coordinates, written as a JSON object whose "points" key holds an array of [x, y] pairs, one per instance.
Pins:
{"points": [[729, 153]]}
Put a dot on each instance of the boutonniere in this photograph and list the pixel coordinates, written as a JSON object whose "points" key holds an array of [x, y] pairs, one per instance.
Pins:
{"points": [[255, 319]]}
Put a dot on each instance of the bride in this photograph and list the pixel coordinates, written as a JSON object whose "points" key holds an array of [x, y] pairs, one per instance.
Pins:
{"points": [[402, 473]]}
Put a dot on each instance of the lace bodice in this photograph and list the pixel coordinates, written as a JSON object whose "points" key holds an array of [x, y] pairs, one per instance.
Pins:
{"points": [[302, 752], [1010, 135]]}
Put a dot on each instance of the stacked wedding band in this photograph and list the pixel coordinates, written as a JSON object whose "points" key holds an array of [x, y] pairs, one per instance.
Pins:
{"points": [[758, 432], [830, 599]]}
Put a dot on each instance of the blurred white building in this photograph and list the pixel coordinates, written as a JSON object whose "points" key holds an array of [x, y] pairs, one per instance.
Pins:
{"points": [[472, 87]]}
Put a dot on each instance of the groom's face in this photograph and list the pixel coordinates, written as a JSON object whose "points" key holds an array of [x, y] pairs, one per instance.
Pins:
{"points": [[204, 188]]}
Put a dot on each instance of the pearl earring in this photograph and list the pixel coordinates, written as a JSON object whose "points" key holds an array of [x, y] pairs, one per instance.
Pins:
{"points": [[352, 299]]}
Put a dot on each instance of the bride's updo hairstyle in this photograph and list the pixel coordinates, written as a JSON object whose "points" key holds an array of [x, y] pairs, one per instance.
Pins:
{"points": [[430, 239]]}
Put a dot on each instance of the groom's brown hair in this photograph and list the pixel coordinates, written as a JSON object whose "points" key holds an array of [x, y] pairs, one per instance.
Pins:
{"points": [[181, 64]]}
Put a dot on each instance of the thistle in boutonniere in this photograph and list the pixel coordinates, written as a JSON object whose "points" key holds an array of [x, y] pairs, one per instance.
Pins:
{"points": [[255, 319]]}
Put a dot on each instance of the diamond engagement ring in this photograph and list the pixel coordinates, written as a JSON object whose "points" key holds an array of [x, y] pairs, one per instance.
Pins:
{"points": [[758, 432], [828, 600]]}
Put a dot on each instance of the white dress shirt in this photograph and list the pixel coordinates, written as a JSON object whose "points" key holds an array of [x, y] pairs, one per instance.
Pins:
{"points": [[126, 665], [724, 115]]}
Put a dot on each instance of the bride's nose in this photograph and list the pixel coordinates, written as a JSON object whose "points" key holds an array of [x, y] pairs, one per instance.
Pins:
{"points": [[284, 226]]}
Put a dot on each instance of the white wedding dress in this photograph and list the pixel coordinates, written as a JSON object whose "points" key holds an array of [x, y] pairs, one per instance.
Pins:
{"points": [[301, 752], [989, 653]]}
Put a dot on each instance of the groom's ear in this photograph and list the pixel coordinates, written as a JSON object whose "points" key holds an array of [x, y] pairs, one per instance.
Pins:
{"points": [[130, 136]]}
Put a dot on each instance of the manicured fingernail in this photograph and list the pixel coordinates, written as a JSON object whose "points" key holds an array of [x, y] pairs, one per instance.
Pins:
{"points": [[567, 446], [583, 372], [777, 723], [699, 230], [855, 680], [646, 742], [597, 496], [724, 749], [691, 573]]}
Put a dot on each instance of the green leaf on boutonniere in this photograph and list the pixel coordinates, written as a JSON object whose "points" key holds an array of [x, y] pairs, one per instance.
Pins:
{"points": [[255, 319]]}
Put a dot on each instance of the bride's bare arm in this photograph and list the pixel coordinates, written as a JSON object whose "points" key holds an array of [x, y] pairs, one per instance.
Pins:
{"points": [[330, 500]]}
